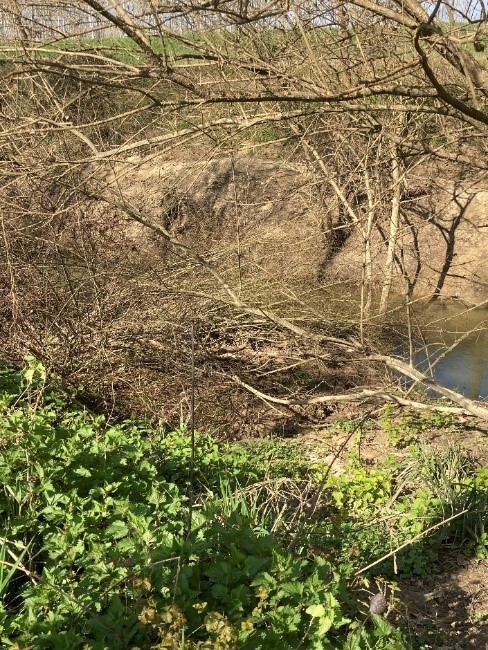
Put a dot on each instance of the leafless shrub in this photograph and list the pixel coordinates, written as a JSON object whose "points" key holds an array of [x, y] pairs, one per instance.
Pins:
{"points": [[137, 197]]}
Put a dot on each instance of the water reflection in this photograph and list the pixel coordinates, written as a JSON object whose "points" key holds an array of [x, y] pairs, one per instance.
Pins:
{"points": [[455, 349], [464, 368]]}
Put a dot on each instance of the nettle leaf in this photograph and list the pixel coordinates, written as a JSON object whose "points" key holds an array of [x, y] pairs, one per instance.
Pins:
{"points": [[125, 546], [255, 564], [286, 618], [83, 471], [325, 623], [382, 625], [34, 369], [117, 529], [265, 580], [325, 617], [220, 572], [353, 641], [291, 589], [316, 611], [146, 466], [219, 591]]}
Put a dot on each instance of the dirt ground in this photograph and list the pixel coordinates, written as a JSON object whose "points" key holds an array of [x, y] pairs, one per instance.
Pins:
{"points": [[453, 603], [448, 610]]}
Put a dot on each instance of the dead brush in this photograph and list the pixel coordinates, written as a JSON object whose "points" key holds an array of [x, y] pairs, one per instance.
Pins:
{"points": [[274, 506]]}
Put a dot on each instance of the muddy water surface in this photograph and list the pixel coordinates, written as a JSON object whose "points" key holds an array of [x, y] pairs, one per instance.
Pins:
{"points": [[456, 349]]}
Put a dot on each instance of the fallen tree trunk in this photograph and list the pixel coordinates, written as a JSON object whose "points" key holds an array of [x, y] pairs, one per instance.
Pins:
{"points": [[469, 405], [465, 406]]}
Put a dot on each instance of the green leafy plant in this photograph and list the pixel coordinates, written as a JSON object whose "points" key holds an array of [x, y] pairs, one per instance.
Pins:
{"points": [[94, 518], [404, 428], [96, 549]]}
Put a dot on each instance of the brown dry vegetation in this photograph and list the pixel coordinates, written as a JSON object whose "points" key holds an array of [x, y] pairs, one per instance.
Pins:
{"points": [[282, 186], [109, 303]]}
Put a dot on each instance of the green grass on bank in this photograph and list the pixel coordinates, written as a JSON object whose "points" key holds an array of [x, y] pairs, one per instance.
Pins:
{"points": [[248, 47], [96, 549]]}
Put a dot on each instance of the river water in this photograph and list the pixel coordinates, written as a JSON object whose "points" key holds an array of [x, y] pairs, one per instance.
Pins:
{"points": [[455, 357]]}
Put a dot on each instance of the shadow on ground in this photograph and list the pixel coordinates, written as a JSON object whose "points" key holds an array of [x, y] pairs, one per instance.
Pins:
{"points": [[450, 610]]}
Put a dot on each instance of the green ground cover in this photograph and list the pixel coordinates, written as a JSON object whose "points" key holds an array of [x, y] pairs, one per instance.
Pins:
{"points": [[96, 548]]}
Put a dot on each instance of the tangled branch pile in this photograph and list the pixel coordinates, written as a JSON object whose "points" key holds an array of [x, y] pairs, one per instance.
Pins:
{"points": [[274, 172]]}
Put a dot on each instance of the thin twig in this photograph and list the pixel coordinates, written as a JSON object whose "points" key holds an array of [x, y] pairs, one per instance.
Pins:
{"points": [[310, 510], [191, 469], [410, 541]]}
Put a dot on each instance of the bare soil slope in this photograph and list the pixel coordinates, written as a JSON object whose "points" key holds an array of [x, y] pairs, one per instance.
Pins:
{"points": [[268, 218], [255, 216], [442, 242]]}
